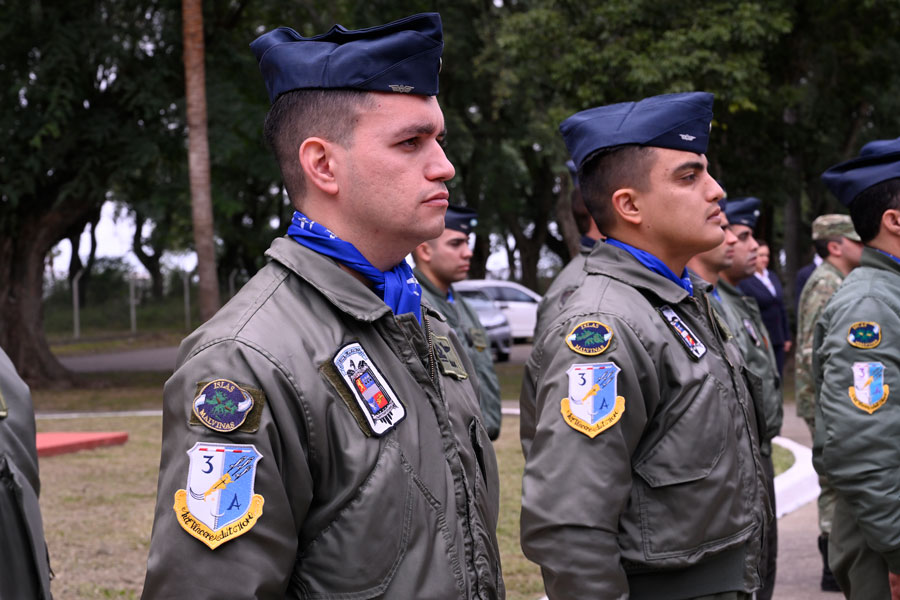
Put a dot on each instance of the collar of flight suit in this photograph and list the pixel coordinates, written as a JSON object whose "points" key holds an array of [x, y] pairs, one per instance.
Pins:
{"points": [[324, 274], [875, 259], [622, 266]]}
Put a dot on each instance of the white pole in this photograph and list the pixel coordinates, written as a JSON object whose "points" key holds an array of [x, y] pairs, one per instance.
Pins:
{"points": [[75, 305], [186, 277], [131, 304]]}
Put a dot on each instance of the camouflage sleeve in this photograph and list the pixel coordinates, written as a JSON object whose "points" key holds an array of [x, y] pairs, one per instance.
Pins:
{"points": [[858, 366], [813, 302]]}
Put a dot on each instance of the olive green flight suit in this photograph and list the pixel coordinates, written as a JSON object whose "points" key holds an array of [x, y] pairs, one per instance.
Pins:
{"points": [[464, 321], [24, 564], [345, 513], [856, 362], [667, 497]]}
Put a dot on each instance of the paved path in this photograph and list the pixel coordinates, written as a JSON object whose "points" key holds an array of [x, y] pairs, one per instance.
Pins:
{"points": [[147, 359]]}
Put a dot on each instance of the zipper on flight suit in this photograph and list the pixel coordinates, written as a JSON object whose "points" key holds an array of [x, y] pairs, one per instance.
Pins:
{"points": [[431, 358]]}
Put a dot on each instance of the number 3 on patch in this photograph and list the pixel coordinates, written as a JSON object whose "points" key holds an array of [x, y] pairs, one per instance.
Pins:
{"points": [[592, 405]]}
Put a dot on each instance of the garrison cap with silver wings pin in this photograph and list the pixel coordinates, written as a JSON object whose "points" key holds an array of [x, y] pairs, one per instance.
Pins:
{"points": [[403, 56]]}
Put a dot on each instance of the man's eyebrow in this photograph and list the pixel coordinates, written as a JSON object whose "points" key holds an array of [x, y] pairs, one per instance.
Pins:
{"points": [[420, 129], [691, 166]]}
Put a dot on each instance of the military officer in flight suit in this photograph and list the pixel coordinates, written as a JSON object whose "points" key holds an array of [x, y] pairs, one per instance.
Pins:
{"points": [[313, 444], [439, 264], [856, 368], [642, 475]]}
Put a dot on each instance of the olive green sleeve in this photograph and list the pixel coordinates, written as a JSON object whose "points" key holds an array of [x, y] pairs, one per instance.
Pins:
{"points": [[857, 417]]}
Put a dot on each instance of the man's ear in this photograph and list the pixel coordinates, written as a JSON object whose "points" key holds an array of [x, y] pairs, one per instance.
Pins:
{"points": [[835, 249], [316, 157], [422, 253], [625, 204], [890, 221]]}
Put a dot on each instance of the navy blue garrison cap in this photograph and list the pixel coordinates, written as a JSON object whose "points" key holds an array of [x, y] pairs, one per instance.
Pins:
{"points": [[403, 56], [460, 218], [877, 161], [743, 211], [676, 121]]}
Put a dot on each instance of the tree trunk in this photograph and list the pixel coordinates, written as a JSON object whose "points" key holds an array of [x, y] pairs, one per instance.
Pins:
{"points": [[198, 157], [150, 261], [21, 310]]}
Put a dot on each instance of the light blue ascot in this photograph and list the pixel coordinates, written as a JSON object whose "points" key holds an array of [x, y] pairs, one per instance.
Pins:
{"points": [[397, 287], [655, 265]]}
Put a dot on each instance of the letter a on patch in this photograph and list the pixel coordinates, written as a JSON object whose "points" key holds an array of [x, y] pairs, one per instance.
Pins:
{"points": [[592, 405], [219, 502]]}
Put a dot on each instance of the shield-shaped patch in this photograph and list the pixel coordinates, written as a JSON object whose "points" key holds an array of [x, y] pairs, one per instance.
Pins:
{"points": [[592, 405], [869, 392], [219, 503], [378, 402]]}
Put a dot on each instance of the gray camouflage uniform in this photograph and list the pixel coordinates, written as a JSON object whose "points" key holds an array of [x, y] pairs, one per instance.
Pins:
{"points": [[346, 514]]}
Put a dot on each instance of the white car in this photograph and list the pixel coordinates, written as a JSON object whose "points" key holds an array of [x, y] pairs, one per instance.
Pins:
{"points": [[517, 302]]}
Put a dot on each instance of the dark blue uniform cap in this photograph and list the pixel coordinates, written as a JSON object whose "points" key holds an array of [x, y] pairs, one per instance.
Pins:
{"points": [[877, 161], [460, 218], [403, 56], [743, 211], [676, 121]]}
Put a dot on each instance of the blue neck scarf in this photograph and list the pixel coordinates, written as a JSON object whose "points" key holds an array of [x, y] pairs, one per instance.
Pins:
{"points": [[888, 254], [397, 287], [450, 298], [715, 294], [655, 265]]}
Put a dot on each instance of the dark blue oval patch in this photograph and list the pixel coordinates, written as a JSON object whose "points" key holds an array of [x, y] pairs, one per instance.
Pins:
{"points": [[864, 334], [590, 338], [222, 405]]}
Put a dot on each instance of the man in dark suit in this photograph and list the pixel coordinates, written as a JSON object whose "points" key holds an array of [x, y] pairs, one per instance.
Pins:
{"points": [[766, 288]]}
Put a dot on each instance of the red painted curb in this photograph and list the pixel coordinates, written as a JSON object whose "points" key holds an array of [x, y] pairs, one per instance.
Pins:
{"points": [[62, 442]]}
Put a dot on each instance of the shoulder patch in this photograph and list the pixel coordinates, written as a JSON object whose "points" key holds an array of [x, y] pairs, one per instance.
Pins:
{"points": [[869, 392], [751, 331], [592, 406], [590, 338], [223, 406], [864, 334], [695, 347], [378, 402], [218, 503], [447, 358]]}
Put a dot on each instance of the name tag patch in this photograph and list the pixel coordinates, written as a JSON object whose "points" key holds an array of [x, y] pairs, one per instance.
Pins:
{"points": [[593, 405], [869, 392], [695, 347], [864, 334], [218, 503], [378, 402], [447, 357]]}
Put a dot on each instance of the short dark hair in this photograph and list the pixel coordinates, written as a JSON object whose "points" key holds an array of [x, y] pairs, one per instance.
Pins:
{"points": [[821, 246], [870, 205], [301, 114], [611, 169]]}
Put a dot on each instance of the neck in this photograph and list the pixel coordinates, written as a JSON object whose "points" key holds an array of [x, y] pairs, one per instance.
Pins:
{"points": [[840, 264], [891, 245], [705, 272], [729, 279], [675, 263]]}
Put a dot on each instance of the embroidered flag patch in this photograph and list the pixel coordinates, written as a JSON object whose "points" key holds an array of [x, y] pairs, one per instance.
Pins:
{"points": [[222, 405], [380, 405], [695, 347], [864, 334], [219, 503], [589, 338], [593, 405], [869, 392]]}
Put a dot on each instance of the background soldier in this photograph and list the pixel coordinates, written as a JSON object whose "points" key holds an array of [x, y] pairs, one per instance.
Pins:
{"points": [[633, 382], [753, 338], [838, 244], [440, 263], [856, 362], [24, 564], [313, 446]]}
